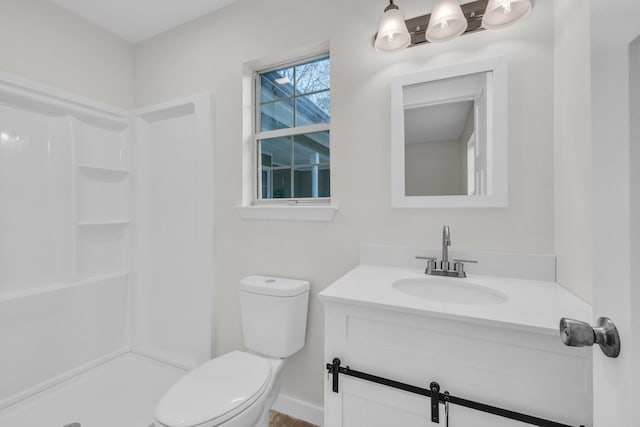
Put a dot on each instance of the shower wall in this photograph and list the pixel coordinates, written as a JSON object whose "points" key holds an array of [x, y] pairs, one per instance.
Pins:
{"points": [[106, 234], [64, 219], [173, 252]]}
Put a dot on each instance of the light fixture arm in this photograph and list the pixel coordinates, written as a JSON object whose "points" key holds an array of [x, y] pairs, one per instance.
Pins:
{"points": [[391, 6]]}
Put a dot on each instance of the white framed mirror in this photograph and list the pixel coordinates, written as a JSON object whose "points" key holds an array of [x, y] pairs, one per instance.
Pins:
{"points": [[449, 136]]}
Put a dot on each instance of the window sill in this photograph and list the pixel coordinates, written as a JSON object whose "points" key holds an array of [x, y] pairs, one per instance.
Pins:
{"points": [[288, 213]]}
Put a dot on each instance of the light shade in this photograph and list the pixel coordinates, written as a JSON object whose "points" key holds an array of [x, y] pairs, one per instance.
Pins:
{"points": [[447, 21], [392, 34], [501, 13]]}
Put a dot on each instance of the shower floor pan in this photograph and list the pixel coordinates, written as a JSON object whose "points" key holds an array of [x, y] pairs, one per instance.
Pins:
{"points": [[122, 392]]}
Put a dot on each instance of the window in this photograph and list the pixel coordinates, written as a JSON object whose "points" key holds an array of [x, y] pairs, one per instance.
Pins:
{"points": [[292, 132]]}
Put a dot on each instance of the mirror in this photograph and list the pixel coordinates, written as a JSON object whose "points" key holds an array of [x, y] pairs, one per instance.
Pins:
{"points": [[449, 136]]}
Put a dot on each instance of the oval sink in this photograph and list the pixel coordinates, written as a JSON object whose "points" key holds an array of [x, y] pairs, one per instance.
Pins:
{"points": [[449, 290]]}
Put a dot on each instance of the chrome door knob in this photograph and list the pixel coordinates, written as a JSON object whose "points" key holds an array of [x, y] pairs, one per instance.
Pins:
{"points": [[575, 333]]}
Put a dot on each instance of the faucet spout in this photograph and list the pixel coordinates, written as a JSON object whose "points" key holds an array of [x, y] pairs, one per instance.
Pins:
{"points": [[446, 242]]}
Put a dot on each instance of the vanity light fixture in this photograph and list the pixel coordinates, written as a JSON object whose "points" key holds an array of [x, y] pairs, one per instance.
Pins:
{"points": [[393, 34], [447, 21], [501, 13]]}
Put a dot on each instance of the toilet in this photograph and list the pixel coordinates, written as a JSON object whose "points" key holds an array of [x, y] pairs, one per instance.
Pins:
{"points": [[239, 388]]}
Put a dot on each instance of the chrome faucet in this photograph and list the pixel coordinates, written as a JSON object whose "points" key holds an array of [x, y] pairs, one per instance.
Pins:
{"points": [[446, 242], [445, 266]]}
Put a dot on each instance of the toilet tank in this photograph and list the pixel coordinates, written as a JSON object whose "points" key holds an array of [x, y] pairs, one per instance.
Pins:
{"points": [[274, 314]]}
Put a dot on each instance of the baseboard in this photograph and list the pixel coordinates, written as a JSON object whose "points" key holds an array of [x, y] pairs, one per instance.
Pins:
{"points": [[298, 409]]}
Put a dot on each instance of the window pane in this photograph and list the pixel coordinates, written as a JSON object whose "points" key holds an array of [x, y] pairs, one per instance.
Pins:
{"points": [[312, 109], [312, 76], [276, 84], [266, 184], [312, 181], [280, 184], [276, 115], [267, 160], [295, 166], [311, 148], [275, 152]]}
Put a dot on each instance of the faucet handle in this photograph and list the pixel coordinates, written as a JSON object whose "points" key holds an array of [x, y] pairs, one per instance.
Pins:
{"points": [[458, 266], [431, 265], [457, 260]]}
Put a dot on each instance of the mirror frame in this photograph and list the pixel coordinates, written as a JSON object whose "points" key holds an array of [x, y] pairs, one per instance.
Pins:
{"points": [[497, 136]]}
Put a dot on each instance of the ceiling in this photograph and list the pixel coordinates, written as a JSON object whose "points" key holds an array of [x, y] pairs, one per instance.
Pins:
{"points": [[137, 20]]}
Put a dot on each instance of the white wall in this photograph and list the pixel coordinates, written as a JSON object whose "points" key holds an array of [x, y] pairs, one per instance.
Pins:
{"points": [[209, 53], [45, 43], [572, 201]]}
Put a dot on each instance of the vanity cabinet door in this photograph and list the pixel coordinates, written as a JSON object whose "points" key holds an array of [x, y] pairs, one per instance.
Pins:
{"points": [[523, 371], [369, 405]]}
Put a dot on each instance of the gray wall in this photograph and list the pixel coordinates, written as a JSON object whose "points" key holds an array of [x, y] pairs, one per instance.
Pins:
{"points": [[42, 42], [436, 166], [573, 219]]}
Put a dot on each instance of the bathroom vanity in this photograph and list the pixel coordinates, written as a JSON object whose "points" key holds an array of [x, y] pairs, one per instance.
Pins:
{"points": [[485, 338]]}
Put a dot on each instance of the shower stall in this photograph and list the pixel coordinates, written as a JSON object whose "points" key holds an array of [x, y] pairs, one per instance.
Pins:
{"points": [[106, 254]]}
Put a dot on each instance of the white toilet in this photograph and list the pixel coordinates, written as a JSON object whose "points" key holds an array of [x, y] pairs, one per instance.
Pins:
{"points": [[238, 389]]}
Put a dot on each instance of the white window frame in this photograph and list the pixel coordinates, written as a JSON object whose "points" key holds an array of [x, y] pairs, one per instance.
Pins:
{"points": [[297, 130]]}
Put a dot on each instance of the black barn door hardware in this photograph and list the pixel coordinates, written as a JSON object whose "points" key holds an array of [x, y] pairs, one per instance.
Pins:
{"points": [[433, 392], [434, 387]]}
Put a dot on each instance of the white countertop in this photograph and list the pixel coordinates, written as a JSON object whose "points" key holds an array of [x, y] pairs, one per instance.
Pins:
{"points": [[535, 306]]}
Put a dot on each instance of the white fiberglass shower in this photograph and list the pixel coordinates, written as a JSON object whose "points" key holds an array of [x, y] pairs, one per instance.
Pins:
{"points": [[106, 254]]}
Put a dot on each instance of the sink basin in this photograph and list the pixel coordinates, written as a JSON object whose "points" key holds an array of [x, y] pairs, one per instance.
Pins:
{"points": [[449, 290]]}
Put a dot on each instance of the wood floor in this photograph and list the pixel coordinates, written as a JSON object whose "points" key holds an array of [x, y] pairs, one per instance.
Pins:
{"points": [[276, 419]]}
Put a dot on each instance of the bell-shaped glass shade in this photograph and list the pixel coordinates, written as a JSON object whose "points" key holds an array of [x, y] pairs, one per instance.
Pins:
{"points": [[393, 34], [447, 21], [501, 13]]}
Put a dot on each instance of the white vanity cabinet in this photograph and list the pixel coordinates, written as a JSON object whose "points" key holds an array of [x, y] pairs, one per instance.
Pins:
{"points": [[513, 366]]}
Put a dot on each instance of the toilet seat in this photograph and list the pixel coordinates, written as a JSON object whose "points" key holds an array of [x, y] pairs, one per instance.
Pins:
{"points": [[215, 391]]}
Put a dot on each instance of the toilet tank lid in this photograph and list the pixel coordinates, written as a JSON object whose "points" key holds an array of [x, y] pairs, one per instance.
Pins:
{"points": [[274, 286]]}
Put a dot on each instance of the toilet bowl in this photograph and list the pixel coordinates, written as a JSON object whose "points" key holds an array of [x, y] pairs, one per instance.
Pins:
{"points": [[239, 388]]}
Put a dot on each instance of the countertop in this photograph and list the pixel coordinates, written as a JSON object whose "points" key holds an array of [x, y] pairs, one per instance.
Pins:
{"points": [[534, 306]]}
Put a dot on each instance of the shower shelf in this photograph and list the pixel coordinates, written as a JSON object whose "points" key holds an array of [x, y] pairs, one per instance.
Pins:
{"points": [[104, 277], [103, 169], [121, 274]]}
